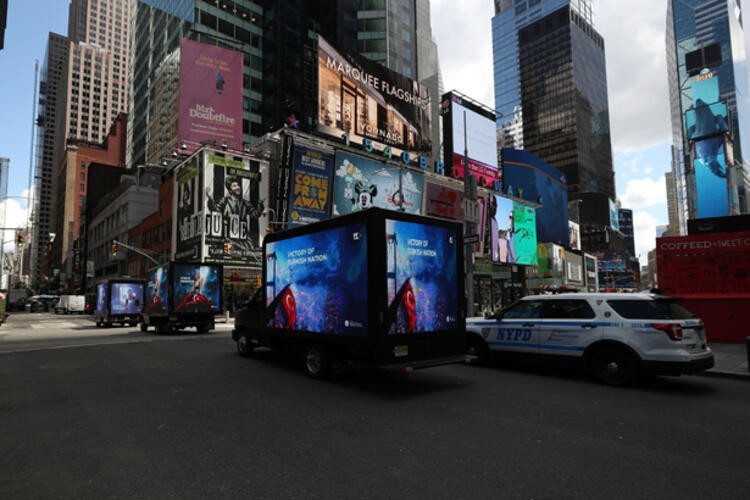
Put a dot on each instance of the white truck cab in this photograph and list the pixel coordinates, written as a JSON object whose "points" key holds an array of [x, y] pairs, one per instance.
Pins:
{"points": [[617, 337]]}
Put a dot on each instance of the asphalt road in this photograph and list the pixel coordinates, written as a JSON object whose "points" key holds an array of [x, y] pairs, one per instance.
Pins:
{"points": [[185, 417]]}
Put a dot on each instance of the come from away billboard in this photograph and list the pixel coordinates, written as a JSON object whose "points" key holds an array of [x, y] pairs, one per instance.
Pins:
{"points": [[210, 96]]}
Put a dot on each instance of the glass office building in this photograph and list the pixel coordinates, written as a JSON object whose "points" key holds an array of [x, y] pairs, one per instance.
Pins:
{"points": [[551, 89], [706, 57]]}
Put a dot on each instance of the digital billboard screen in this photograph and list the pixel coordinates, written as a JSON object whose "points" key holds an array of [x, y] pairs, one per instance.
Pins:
{"points": [[421, 264], [705, 120], [102, 297], [211, 83], [311, 183], [188, 212], [318, 282], [533, 179], [157, 291], [469, 129], [614, 215], [524, 234], [502, 242], [196, 288], [367, 101], [710, 167], [126, 298], [362, 183]]}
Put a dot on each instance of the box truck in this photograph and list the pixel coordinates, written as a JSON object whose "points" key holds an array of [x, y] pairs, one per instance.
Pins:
{"points": [[181, 295], [119, 300], [68, 304], [376, 288]]}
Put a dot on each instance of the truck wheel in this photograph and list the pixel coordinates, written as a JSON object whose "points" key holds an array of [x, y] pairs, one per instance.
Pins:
{"points": [[162, 329], [144, 327], [476, 347], [317, 362], [614, 366], [203, 327], [244, 346]]}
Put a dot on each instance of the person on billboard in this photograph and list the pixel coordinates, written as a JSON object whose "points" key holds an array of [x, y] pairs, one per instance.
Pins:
{"points": [[234, 204], [195, 300]]}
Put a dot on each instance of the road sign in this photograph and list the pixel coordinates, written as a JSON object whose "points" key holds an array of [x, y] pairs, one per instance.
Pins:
{"points": [[471, 239]]}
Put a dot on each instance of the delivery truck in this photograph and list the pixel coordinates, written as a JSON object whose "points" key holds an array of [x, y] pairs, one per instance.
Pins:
{"points": [[376, 288], [182, 295], [119, 300]]}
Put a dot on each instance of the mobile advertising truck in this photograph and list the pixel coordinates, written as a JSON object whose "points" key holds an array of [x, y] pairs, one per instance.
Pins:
{"points": [[181, 295], [119, 300], [375, 288]]}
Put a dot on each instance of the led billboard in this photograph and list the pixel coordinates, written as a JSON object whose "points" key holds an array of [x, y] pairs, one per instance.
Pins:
{"points": [[157, 291], [469, 129], [102, 297], [210, 96], [361, 98], [524, 227], [361, 183], [188, 215], [574, 230], [310, 190], [709, 163], [447, 203], [318, 282], [531, 178], [196, 288], [126, 298], [502, 236], [614, 215], [421, 264]]}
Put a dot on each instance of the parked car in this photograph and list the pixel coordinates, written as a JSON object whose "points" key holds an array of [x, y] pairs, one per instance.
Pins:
{"points": [[41, 303], [617, 337]]}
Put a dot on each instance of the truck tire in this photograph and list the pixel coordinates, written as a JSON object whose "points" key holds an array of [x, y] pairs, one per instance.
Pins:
{"points": [[203, 327], [244, 345], [614, 366], [162, 329], [144, 327], [317, 362]]}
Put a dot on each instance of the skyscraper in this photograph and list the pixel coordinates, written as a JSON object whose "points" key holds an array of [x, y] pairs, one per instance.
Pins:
{"points": [[551, 89], [707, 70]]}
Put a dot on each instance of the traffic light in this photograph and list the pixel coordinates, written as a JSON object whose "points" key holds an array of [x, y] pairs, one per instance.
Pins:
{"points": [[114, 249], [19, 240]]}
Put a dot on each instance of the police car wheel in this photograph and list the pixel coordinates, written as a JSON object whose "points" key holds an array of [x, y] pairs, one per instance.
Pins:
{"points": [[614, 366], [477, 348]]}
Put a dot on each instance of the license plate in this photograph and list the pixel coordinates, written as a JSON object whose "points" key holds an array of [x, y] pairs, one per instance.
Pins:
{"points": [[400, 351]]}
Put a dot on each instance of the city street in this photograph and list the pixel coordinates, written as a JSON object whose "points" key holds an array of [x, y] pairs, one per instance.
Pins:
{"points": [[120, 413]]}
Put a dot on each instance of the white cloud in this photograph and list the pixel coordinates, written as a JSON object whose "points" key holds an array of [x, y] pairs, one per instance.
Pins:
{"points": [[644, 233], [15, 217], [646, 192]]}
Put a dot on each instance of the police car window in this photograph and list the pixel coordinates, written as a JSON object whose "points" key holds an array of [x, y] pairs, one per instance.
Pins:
{"points": [[650, 309], [524, 309], [568, 309]]}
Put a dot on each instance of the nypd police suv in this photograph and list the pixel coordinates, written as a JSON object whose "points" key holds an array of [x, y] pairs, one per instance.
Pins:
{"points": [[617, 337]]}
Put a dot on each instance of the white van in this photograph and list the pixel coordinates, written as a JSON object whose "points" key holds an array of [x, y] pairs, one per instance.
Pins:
{"points": [[617, 336], [70, 304]]}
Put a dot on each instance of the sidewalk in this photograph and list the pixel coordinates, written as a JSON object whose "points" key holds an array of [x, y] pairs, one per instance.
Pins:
{"points": [[730, 361]]}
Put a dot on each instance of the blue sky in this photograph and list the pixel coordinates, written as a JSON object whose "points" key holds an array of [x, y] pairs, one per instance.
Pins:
{"points": [[636, 73], [26, 33]]}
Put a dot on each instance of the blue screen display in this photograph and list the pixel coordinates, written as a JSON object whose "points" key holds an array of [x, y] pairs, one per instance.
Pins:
{"points": [[157, 292], [126, 298], [197, 288], [421, 264], [101, 299], [318, 282], [711, 178]]}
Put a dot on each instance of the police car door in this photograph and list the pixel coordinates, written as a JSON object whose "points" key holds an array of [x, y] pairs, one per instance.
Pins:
{"points": [[517, 328], [568, 327]]}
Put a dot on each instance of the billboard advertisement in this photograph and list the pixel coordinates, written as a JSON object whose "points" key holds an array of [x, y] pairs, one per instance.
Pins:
{"points": [[126, 298], [361, 183], [365, 100], [233, 205], [574, 229], [709, 163], [524, 229], [614, 215], [533, 179], [318, 282], [421, 299], [157, 291], [310, 190], [196, 288], [469, 129], [210, 96], [502, 242], [102, 297], [188, 216], [708, 116]]}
